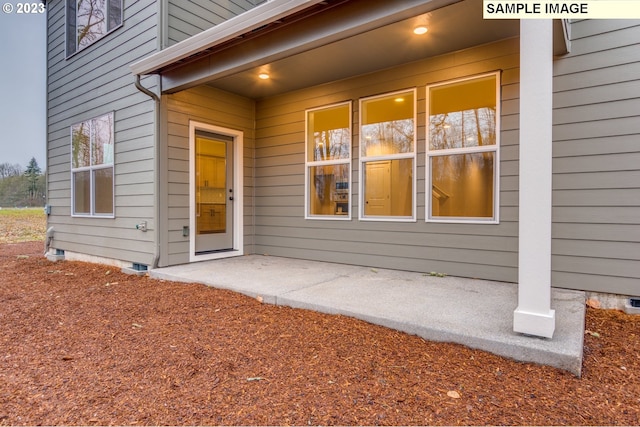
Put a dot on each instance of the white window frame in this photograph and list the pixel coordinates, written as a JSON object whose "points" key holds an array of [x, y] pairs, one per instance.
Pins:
{"points": [[409, 155], [71, 6], [91, 169], [467, 150], [334, 162]]}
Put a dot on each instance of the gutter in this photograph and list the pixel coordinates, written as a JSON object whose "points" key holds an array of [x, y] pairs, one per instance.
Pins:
{"points": [[268, 12]]}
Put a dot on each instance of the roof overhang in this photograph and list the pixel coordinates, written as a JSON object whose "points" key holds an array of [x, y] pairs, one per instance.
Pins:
{"points": [[309, 42], [256, 18]]}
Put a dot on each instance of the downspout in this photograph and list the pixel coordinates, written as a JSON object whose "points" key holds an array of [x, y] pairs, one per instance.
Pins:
{"points": [[156, 171], [146, 91], [156, 135]]}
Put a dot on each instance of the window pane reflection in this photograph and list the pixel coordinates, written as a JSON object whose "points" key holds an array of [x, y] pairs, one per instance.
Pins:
{"points": [[81, 193], [329, 190], [388, 188], [103, 191], [102, 149], [80, 145], [329, 133], [388, 125], [463, 114], [462, 185], [91, 21]]}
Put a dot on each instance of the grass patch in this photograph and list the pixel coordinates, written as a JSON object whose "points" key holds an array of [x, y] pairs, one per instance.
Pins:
{"points": [[22, 225]]}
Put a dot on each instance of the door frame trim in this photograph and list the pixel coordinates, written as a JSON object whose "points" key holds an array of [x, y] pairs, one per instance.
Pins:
{"points": [[238, 193]]}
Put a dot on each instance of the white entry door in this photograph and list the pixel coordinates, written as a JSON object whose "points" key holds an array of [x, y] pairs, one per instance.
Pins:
{"points": [[215, 199]]}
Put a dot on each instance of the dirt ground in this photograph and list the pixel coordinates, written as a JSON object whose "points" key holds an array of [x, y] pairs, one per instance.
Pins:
{"points": [[22, 225], [83, 344]]}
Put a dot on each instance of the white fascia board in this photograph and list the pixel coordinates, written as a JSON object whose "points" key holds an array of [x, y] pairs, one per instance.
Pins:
{"points": [[241, 24]]}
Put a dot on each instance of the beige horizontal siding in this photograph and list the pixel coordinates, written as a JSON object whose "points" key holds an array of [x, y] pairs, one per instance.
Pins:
{"points": [[187, 18], [596, 181], [207, 105], [92, 82], [472, 250]]}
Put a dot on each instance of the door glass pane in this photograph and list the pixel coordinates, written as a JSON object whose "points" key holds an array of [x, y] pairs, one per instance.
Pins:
{"points": [[211, 186], [462, 185]]}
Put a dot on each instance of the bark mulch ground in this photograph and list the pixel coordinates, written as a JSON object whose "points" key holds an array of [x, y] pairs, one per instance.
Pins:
{"points": [[86, 344]]}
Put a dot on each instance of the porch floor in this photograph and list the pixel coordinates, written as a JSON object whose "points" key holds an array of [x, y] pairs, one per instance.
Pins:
{"points": [[475, 313]]}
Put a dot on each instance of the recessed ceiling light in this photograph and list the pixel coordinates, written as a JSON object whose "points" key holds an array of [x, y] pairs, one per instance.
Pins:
{"points": [[399, 99], [420, 30], [263, 76]]}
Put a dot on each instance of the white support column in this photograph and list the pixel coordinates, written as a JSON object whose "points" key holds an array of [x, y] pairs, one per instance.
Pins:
{"points": [[534, 315]]}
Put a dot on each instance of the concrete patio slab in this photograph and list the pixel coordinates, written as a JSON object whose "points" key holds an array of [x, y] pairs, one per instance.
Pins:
{"points": [[475, 313]]}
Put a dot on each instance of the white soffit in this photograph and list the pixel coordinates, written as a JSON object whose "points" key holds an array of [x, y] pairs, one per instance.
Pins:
{"points": [[257, 17]]}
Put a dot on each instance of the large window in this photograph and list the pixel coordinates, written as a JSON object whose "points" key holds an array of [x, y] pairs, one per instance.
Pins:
{"points": [[92, 151], [90, 20], [463, 141], [328, 162], [388, 156]]}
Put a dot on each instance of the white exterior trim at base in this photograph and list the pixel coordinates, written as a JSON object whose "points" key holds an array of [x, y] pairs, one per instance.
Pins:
{"points": [[92, 259], [536, 324], [534, 315]]}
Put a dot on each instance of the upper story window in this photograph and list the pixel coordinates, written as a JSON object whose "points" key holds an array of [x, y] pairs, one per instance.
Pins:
{"points": [[388, 156], [92, 151], [462, 149], [328, 162], [90, 20]]}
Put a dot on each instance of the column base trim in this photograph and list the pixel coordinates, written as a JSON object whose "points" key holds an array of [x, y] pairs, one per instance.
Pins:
{"points": [[536, 324]]}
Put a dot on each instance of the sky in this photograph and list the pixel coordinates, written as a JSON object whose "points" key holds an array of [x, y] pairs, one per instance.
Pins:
{"points": [[22, 85]]}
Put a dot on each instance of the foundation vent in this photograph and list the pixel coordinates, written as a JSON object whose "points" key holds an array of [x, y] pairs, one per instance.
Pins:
{"points": [[139, 267], [632, 306], [136, 269]]}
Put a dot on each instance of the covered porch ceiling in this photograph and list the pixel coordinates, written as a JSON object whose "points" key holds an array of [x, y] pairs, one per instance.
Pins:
{"points": [[329, 41]]}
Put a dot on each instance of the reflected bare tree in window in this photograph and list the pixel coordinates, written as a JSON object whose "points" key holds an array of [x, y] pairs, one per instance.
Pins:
{"points": [[102, 145], [331, 144], [462, 153], [81, 144], [92, 147], [462, 129], [91, 21], [392, 137]]}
